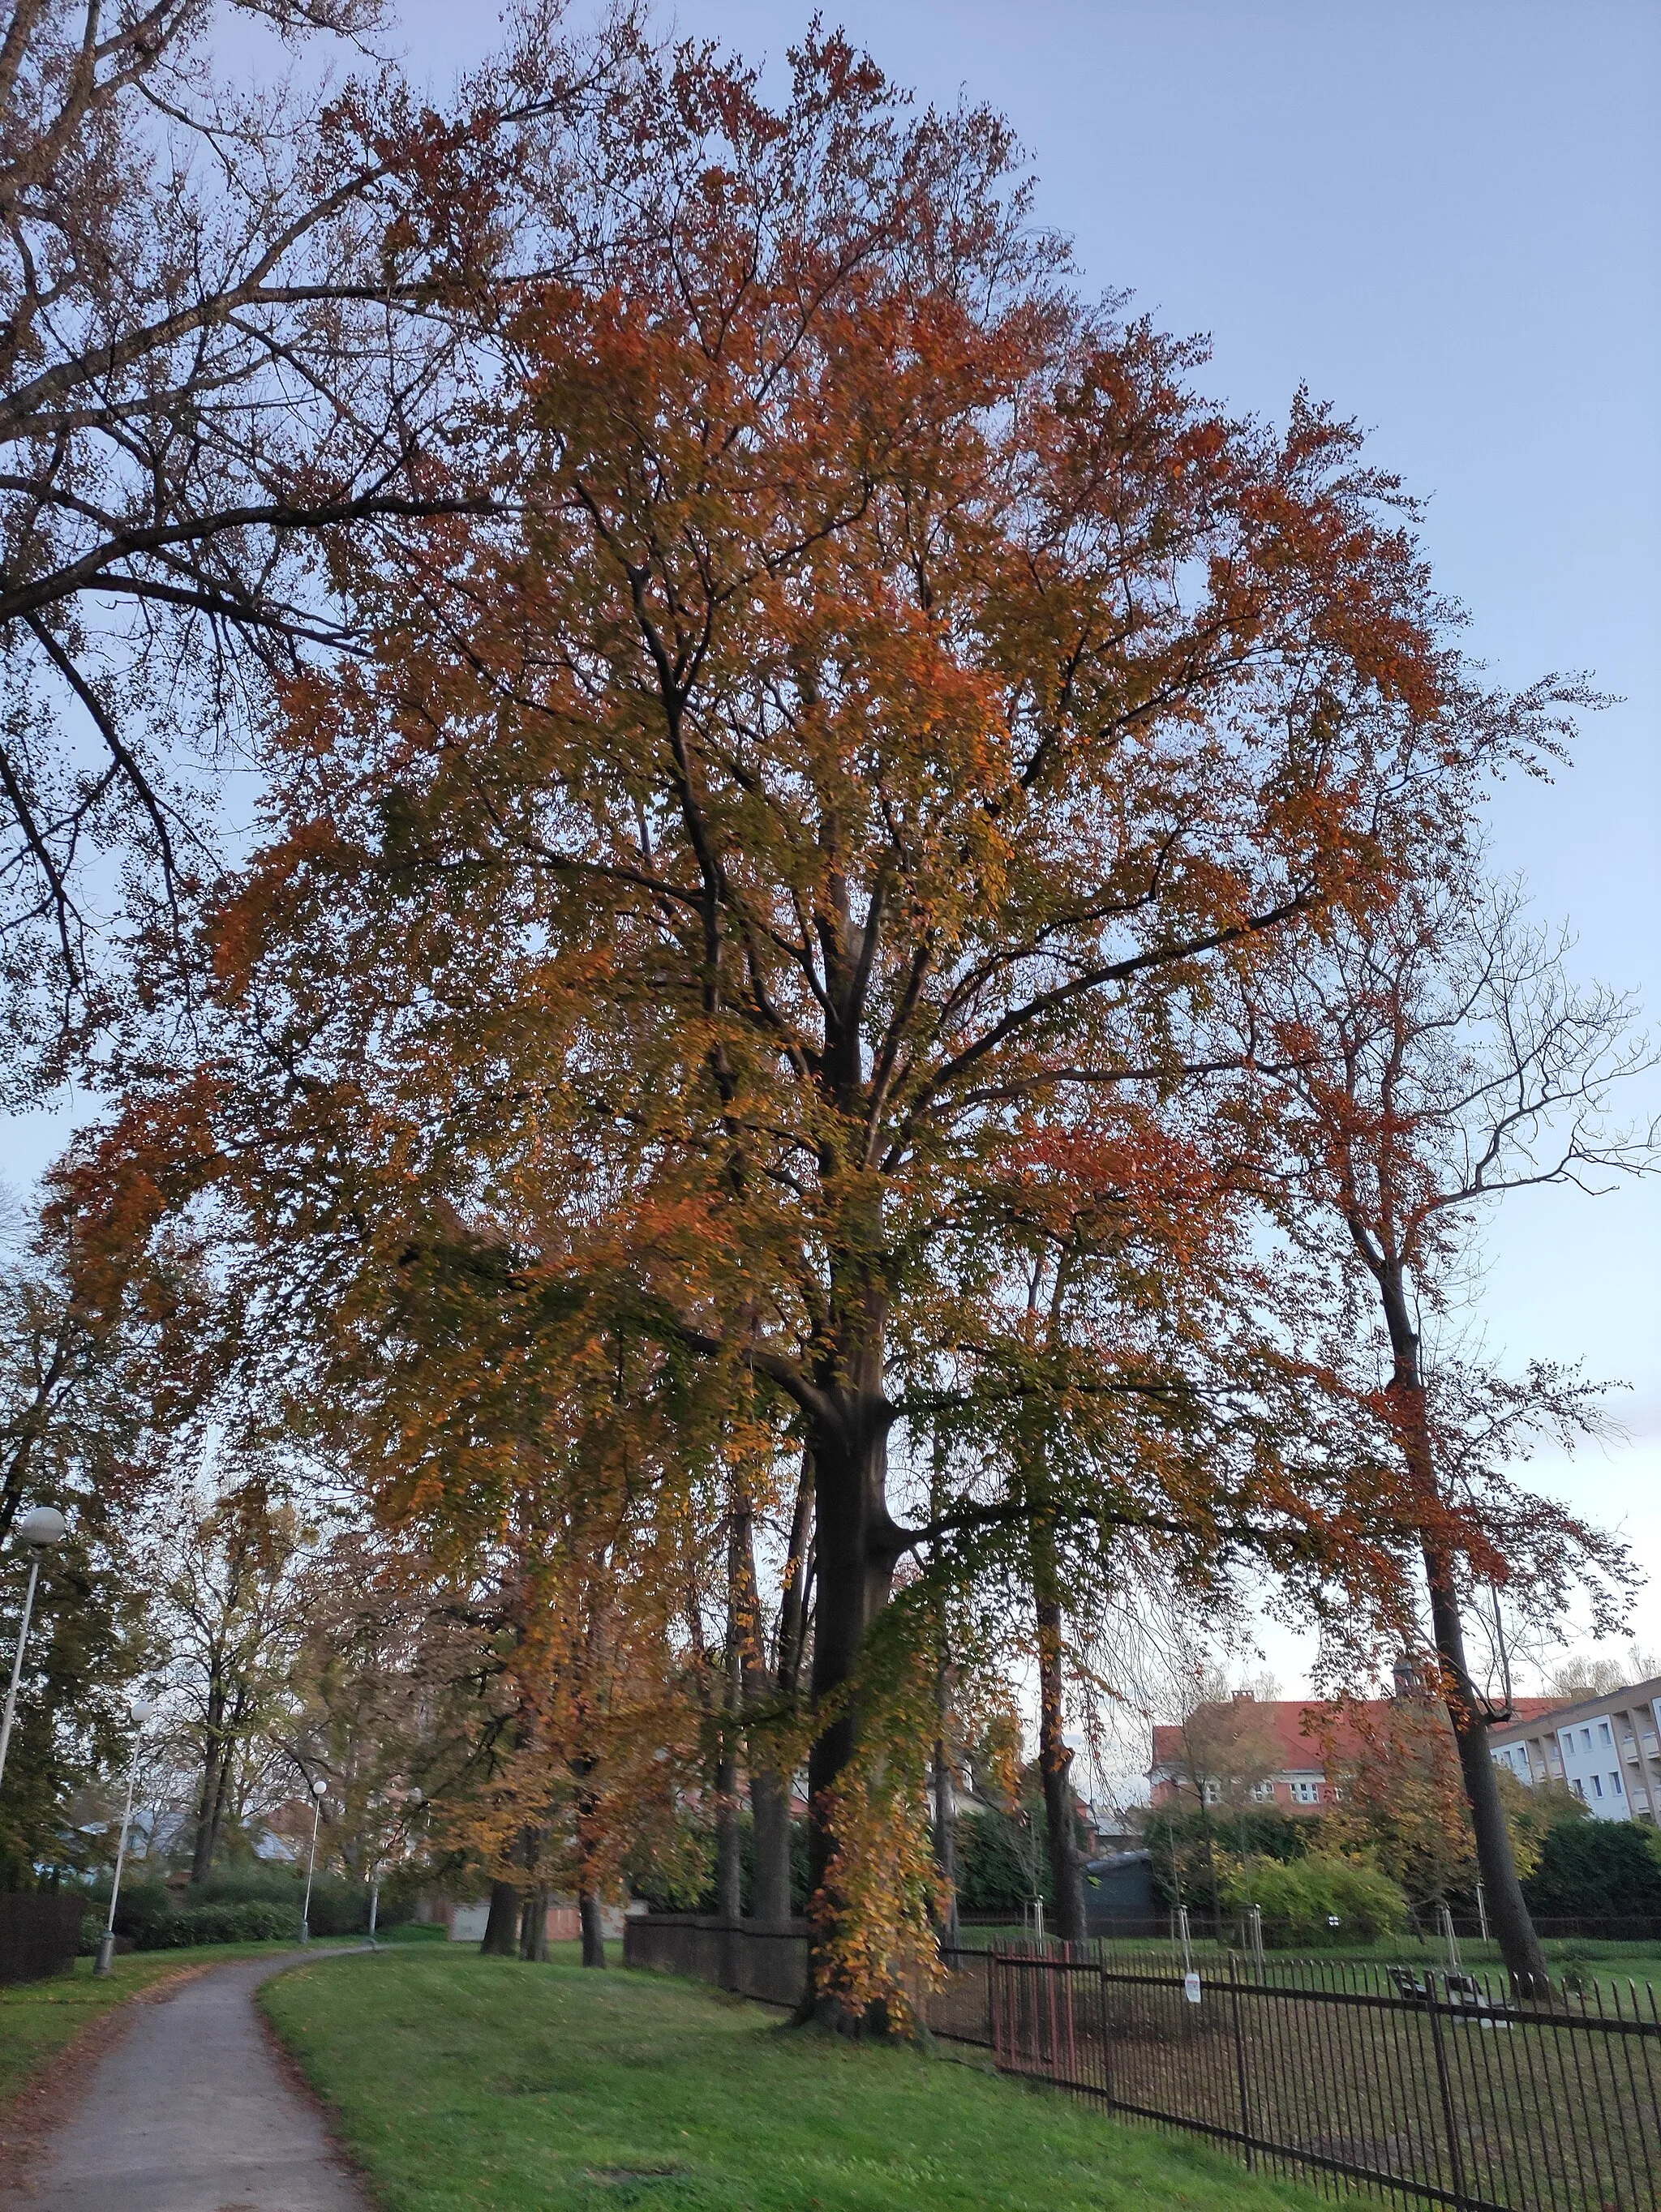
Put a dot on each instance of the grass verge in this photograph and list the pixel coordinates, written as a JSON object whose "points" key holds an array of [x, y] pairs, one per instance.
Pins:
{"points": [[40, 2019], [483, 2083]]}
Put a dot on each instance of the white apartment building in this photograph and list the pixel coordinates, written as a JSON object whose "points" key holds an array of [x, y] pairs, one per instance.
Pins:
{"points": [[1607, 1748]]}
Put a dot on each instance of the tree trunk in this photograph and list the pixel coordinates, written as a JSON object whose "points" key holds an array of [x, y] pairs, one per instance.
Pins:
{"points": [[1055, 1758], [855, 1553], [1507, 1908], [211, 1803], [728, 1859], [533, 1927], [1055, 1765], [594, 1940], [945, 1840], [770, 1791], [202, 1855], [501, 1927], [769, 1807]]}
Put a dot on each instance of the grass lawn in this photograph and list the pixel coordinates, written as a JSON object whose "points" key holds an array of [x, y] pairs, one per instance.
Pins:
{"points": [[463, 2082], [37, 2018]]}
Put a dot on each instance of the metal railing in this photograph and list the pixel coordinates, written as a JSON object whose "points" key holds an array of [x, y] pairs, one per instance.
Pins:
{"points": [[752, 1958], [1427, 2088], [1423, 2088]]}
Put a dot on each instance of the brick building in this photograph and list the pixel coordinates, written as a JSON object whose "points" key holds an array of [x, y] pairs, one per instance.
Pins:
{"points": [[1251, 1751]]}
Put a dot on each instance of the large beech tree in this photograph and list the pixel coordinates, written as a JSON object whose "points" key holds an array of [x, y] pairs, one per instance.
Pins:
{"points": [[893, 706]]}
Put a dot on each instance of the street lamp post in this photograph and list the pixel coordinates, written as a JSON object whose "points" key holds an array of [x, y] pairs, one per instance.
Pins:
{"points": [[319, 1790], [39, 1529], [142, 1710]]}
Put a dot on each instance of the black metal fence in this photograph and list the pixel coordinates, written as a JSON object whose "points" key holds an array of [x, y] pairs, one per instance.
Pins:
{"points": [[1422, 2087], [1226, 1927], [754, 1959], [40, 1934], [1429, 2088]]}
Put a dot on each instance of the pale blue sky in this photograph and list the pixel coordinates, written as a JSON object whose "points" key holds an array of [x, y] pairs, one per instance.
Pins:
{"points": [[1446, 216]]}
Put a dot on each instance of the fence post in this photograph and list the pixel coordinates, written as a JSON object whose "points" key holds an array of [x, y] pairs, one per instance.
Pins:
{"points": [[1445, 2082], [1246, 2135], [1105, 2022]]}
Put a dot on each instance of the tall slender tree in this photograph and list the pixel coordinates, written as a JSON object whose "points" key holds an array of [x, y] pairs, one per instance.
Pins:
{"points": [[1438, 1058]]}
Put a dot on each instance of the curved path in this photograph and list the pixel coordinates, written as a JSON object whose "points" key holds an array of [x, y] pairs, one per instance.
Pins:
{"points": [[192, 2111]]}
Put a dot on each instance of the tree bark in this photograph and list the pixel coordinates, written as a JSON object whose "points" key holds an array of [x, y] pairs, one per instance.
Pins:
{"points": [[207, 1842], [769, 1807], [946, 1837], [1507, 1908], [501, 1927], [729, 1883], [1055, 1758], [856, 1549], [1056, 1764], [770, 1791], [533, 1927], [211, 1803], [593, 1940]]}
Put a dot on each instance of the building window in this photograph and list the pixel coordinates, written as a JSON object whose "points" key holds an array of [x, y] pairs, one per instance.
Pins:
{"points": [[1616, 1778], [1597, 1784], [1603, 1736], [1263, 1792], [1306, 1793], [1575, 1786], [1585, 1738]]}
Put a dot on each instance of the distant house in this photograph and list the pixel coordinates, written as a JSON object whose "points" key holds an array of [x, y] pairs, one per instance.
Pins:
{"points": [[1266, 1752], [1248, 1751], [1606, 1748]]}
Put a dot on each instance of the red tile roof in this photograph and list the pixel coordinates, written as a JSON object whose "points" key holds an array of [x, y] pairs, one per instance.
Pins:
{"points": [[1303, 1728]]}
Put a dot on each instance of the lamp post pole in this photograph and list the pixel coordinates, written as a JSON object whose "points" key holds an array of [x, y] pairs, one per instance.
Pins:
{"points": [[142, 1710], [319, 1789], [40, 1530]]}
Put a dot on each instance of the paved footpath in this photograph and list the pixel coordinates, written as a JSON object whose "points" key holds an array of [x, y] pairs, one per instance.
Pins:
{"points": [[191, 2111]]}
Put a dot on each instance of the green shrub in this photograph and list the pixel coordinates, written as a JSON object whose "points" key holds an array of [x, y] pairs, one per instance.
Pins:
{"points": [[156, 1920], [1596, 1867], [259, 1920], [1301, 1900], [1190, 1849], [997, 1861], [269, 1897], [146, 1912]]}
